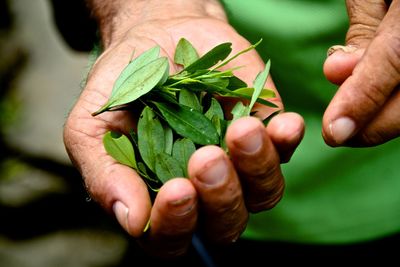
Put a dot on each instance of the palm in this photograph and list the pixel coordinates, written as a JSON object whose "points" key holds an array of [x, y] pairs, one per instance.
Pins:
{"points": [[108, 181]]}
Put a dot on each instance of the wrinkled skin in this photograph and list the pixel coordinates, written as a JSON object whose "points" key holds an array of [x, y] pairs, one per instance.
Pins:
{"points": [[366, 107], [222, 190]]}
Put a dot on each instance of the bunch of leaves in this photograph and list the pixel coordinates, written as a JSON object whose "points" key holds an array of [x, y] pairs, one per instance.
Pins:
{"points": [[179, 112]]}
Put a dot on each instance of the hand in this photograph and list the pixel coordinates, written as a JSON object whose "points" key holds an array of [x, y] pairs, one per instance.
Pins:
{"points": [[366, 108], [221, 189]]}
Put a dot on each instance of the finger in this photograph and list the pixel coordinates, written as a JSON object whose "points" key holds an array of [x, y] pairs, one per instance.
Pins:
{"points": [[120, 191], [384, 127], [365, 17], [286, 131], [372, 82], [173, 219], [257, 163], [220, 195], [118, 188], [340, 62]]}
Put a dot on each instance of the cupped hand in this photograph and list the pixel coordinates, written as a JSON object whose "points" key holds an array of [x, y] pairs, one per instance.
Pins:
{"points": [[366, 108], [222, 189]]}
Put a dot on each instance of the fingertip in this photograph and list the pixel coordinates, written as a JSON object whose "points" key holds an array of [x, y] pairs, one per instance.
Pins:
{"points": [[240, 128], [286, 128], [224, 213], [339, 131], [120, 190], [173, 219], [286, 131], [209, 166], [340, 63], [178, 196]]}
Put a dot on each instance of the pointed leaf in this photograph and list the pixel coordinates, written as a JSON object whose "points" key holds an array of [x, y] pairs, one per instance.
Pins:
{"points": [[238, 54], [120, 148], [145, 58], [189, 99], [189, 123], [236, 83], [218, 53], [150, 137], [215, 109], [137, 84], [182, 151], [265, 93], [239, 110], [259, 84], [185, 53], [217, 81]]}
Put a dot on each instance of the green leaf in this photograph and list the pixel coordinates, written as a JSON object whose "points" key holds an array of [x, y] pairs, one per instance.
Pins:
{"points": [[215, 109], [137, 63], [259, 84], [120, 148], [226, 92], [189, 123], [190, 100], [236, 83], [137, 84], [218, 53], [134, 137], [167, 167], [223, 125], [145, 174], [185, 53], [239, 110], [265, 93], [217, 124], [182, 151], [169, 139], [238, 54], [159, 95], [217, 81], [151, 140]]}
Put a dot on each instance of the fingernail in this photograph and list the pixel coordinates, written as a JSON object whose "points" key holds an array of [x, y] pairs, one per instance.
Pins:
{"points": [[251, 142], [182, 206], [215, 172], [346, 49], [342, 129], [121, 213]]}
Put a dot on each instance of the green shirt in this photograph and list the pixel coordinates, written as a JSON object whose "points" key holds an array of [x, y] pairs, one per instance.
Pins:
{"points": [[333, 195]]}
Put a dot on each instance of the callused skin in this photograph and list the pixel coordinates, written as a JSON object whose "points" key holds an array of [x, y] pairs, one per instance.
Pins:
{"points": [[366, 108], [214, 190]]}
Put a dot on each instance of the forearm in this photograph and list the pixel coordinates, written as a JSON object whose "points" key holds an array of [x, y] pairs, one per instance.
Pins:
{"points": [[114, 17]]}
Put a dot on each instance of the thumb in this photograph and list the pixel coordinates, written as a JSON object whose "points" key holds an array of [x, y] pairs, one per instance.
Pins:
{"points": [[375, 75], [364, 19]]}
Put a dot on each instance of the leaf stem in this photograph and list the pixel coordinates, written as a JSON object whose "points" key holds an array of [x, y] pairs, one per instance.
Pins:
{"points": [[236, 55]]}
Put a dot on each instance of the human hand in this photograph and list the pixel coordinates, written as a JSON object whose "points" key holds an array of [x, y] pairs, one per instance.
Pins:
{"points": [[221, 189], [366, 108]]}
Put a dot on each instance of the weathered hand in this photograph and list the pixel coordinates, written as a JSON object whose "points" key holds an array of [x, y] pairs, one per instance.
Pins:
{"points": [[222, 189], [366, 109]]}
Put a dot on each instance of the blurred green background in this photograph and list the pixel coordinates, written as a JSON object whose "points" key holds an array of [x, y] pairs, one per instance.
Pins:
{"points": [[47, 219]]}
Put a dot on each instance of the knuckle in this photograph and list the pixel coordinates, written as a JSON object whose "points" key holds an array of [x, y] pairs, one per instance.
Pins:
{"points": [[372, 139], [268, 198], [376, 137], [365, 17], [225, 222], [392, 51], [375, 96]]}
